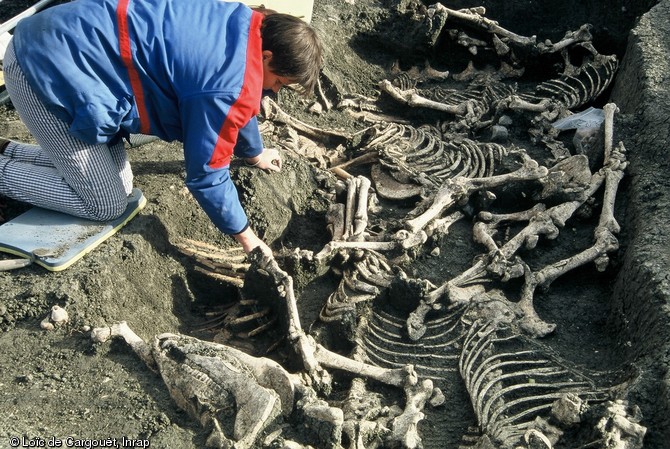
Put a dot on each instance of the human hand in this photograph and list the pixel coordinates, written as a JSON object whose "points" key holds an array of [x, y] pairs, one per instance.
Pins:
{"points": [[269, 159], [249, 240]]}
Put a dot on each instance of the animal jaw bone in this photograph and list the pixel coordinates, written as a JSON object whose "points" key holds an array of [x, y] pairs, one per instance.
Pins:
{"points": [[207, 377]]}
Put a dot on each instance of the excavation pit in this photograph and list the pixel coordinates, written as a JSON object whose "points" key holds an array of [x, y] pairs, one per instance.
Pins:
{"points": [[611, 326]]}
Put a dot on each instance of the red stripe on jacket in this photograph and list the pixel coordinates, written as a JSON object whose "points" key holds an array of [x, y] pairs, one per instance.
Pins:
{"points": [[127, 58], [247, 104]]}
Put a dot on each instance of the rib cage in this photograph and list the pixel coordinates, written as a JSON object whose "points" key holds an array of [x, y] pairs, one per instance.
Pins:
{"points": [[385, 343], [420, 155], [512, 381], [584, 85], [361, 281], [573, 91]]}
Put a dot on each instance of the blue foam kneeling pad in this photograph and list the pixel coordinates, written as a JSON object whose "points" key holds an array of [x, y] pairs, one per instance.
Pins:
{"points": [[64, 238]]}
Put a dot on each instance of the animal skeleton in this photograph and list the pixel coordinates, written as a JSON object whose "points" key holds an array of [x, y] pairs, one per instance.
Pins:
{"points": [[476, 107], [504, 263], [430, 342], [516, 389]]}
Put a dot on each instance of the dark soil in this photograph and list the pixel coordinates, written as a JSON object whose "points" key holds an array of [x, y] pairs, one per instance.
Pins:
{"points": [[58, 383]]}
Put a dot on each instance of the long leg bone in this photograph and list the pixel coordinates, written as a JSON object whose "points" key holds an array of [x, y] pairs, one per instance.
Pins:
{"points": [[610, 109], [605, 242], [455, 190], [315, 356], [475, 17]]}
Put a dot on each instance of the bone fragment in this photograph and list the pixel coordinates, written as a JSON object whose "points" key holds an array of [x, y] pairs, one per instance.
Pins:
{"points": [[361, 211], [341, 173], [362, 431], [493, 220], [335, 220], [352, 187], [515, 102], [614, 173], [620, 428], [405, 427], [143, 350], [411, 98], [272, 111], [440, 226], [334, 246], [568, 409], [476, 18], [397, 377], [234, 279], [583, 34], [327, 105], [360, 160]]}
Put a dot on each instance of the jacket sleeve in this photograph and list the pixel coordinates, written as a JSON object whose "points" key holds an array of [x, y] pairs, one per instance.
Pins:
{"points": [[249, 142], [211, 134], [218, 197]]}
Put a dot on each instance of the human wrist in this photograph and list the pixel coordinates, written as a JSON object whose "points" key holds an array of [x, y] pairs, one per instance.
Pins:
{"points": [[248, 239], [252, 161]]}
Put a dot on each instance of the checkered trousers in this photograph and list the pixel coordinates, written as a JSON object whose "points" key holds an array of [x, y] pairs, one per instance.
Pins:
{"points": [[61, 172]]}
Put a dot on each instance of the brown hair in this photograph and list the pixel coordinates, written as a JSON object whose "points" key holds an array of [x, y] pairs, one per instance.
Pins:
{"points": [[296, 49]]}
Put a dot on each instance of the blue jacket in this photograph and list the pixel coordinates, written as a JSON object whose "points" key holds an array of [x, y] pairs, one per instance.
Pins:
{"points": [[186, 70]]}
